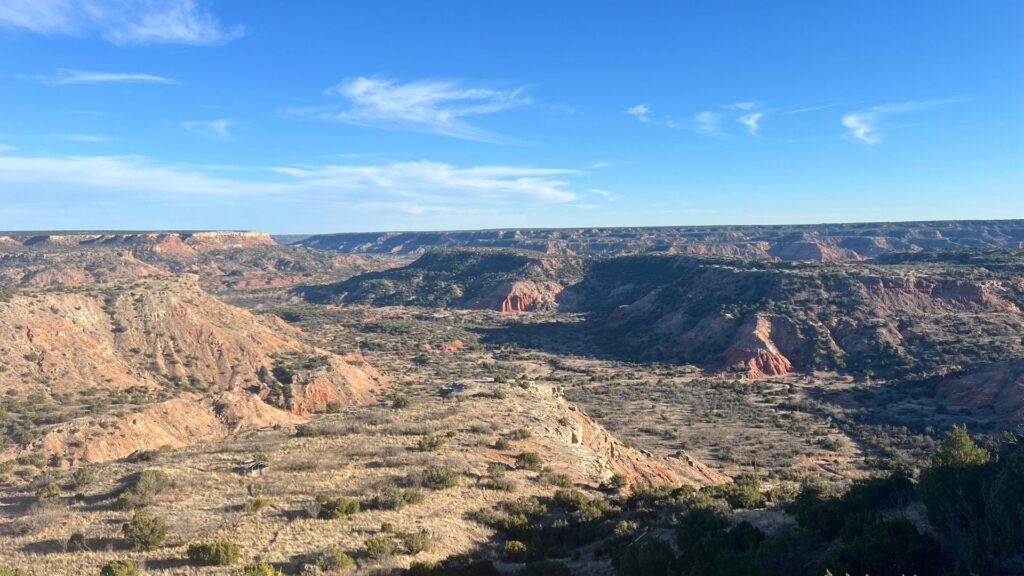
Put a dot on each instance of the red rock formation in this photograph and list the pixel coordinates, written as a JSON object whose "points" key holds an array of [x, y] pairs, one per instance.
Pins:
{"points": [[522, 296], [172, 244], [154, 334], [756, 350], [999, 386]]}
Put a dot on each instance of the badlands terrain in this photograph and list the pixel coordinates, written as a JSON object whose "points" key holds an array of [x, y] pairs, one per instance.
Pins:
{"points": [[713, 401]]}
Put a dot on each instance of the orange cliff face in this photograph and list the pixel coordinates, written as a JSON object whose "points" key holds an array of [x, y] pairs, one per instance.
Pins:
{"points": [[757, 352], [155, 340], [521, 296]]}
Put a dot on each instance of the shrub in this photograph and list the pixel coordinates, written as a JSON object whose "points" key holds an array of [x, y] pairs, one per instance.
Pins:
{"points": [[260, 569], [743, 493], [121, 567], [518, 551], [571, 499], [401, 402], [76, 542], [83, 477], [502, 444], [391, 497], [47, 492], [380, 547], [439, 477], [416, 542], [145, 532], [149, 484], [560, 480], [651, 556], [307, 431], [528, 461], [331, 509], [431, 443], [216, 553], [5, 571], [521, 434], [255, 504], [893, 546], [618, 481], [496, 469], [335, 560]]}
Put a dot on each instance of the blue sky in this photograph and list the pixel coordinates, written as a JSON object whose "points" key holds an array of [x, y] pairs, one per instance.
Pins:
{"points": [[383, 115]]}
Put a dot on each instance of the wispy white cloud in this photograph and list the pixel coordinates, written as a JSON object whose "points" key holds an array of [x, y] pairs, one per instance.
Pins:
{"points": [[409, 187], [608, 196], [6, 148], [641, 112], [806, 109], [707, 122], [65, 76], [124, 22], [751, 105], [436, 181], [863, 125], [751, 121], [432, 106], [92, 138], [219, 129]]}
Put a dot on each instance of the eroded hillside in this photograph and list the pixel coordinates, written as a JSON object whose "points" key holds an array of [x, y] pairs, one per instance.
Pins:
{"points": [[823, 242], [503, 280], [96, 373], [901, 315], [222, 260]]}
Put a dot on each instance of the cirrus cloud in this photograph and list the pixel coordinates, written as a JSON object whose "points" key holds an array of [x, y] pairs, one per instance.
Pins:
{"points": [[64, 76], [863, 125], [406, 187], [126, 22], [431, 106]]}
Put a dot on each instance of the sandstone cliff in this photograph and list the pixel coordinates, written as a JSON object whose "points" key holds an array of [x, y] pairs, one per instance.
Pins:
{"points": [[175, 363], [997, 387]]}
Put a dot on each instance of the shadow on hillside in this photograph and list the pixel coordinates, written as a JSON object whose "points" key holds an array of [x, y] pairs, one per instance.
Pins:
{"points": [[176, 564], [561, 337], [58, 546]]}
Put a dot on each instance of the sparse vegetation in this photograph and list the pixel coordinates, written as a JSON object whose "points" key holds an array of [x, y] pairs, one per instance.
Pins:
{"points": [[335, 561], [333, 508], [260, 569], [144, 532], [256, 504], [380, 547], [120, 567], [215, 553], [529, 461], [439, 477]]}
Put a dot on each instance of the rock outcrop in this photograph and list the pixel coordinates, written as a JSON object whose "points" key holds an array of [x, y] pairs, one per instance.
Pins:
{"points": [[571, 442], [157, 341], [508, 281], [756, 351], [521, 296], [998, 387], [220, 259]]}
